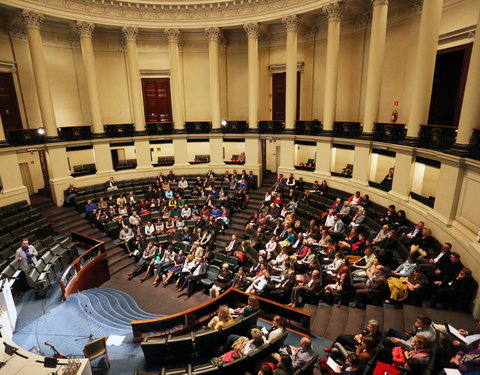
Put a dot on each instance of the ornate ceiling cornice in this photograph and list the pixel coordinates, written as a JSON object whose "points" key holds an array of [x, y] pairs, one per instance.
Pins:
{"points": [[156, 14]]}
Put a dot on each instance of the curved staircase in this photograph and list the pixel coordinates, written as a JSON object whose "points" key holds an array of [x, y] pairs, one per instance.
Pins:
{"points": [[110, 308]]}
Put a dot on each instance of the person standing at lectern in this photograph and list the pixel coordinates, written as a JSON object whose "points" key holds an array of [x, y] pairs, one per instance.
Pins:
{"points": [[25, 256]]}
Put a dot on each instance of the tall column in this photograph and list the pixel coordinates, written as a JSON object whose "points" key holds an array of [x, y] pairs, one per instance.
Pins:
{"points": [[334, 12], [307, 80], [470, 108], [252, 31], [85, 30], [32, 21], [376, 54], [424, 67], [323, 157], [130, 34], [214, 34], [103, 158], [291, 24], [173, 36]]}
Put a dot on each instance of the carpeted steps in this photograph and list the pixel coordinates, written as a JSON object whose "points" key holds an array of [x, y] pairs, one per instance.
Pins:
{"points": [[66, 220]]}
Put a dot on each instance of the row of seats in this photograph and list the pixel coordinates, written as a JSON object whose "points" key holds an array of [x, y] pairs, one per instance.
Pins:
{"points": [[193, 344], [53, 256]]}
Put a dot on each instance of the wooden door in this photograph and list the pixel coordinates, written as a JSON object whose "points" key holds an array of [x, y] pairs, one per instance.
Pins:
{"points": [[156, 99], [279, 86], [9, 111]]}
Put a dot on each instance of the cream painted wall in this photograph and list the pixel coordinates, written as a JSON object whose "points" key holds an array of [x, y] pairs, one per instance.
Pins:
{"points": [[162, 149], [197, 84], [128, 151], [425, 179], [340, 159], [112, 79], [379, 166], [232, 148], [80, 157], [237, 84], [63, 85], [198, 148], [303, 153], [34, 167]]}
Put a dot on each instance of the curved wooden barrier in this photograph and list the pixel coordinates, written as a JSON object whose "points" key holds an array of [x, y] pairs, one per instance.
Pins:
{"points": [[193, 318], [88, 270]]}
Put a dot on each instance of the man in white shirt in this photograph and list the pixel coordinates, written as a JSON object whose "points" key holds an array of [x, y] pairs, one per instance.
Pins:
{"points": [[186, 212], [126, 236], [182, 184]]}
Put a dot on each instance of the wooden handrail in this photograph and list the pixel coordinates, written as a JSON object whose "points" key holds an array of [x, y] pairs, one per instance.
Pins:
{"points": [[89, 269], [195, 317]]}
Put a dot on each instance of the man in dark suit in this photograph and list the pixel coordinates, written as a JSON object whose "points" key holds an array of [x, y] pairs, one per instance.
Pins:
{"points": [[413, 236], [110, 184], [376, 283], [440, 262], [232, 245], [304, 289], [283, 289]]}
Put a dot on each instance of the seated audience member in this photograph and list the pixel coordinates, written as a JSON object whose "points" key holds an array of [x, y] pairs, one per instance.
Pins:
{"points": [[405, 269], [232, 245], [126, 237], [193, 278], [222, 281], [404, 287], [446, 275], [334, 292], [422, 327], [70, 193], [110, 184], [165, 262], [413, 235], [353, 366], [299, 355], [284, 366], [377, 284], [388, 179], [259, 285], [466, 361], [178, 263], [147, 255], [303, 289], [441, 261], [456, 294], [365, 351], [360, 266], [391, 215], [381, 235], [337, 231], [359, 218], [413, 359], [258, 339], [350, 342], [222, 320], [423, 244], [250, 308], [90, 212]]}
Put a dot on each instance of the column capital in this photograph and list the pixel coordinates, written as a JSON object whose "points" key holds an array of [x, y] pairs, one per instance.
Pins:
{"points": [[84, 28], [334, 11], [173, 35], [213, 33], [31, 18], [309, 35], [130, 33], [252, 29], [416, 6], [380, 2], [292, 22], [361, 23], [17, 31]]}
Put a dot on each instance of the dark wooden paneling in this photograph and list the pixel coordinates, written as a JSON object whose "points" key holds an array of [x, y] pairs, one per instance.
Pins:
{"points": [[157, 100], [8, 103]]}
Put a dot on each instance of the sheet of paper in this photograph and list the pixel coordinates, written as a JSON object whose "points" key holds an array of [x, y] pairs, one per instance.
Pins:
{"points": [[451, 371], [265, 331], [471, 338], [115, 340], [332, 364], [455, 332]]}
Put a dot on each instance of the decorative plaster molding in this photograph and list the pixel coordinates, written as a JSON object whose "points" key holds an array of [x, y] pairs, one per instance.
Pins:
{"points": [[214, 34], [291, 22], [8, 66], [309, 35], [130, 33], [361, 23], [31, 18], [281, 68], [84, 28], [416, 6], [17, 31], [173, 35], [334, 11], [252, 29]]}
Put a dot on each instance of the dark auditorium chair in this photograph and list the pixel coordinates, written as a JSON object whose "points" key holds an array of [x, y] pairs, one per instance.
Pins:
{"points": [[212, 273], [236, 367], [180, 347], [155, 349], [206, 341]]}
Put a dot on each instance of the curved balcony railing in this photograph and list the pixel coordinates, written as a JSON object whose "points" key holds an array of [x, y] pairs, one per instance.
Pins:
{"points": [[198, 127], [313, 127], [272, 127], [75, 133], [194, 318], [89, 270], [238, 127], [389, 132], [347, 129], [159, 128], [437, 137], [119, 130]]}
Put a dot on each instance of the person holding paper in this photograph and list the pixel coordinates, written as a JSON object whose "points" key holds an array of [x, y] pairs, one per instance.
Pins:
{"points": [[352, 366]]}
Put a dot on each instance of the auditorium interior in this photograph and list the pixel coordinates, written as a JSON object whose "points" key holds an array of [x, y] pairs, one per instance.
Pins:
{"points": [[284, 138]]}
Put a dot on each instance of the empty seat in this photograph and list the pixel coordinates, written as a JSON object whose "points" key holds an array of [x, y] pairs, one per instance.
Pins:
{"points": [[180, 347]]}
